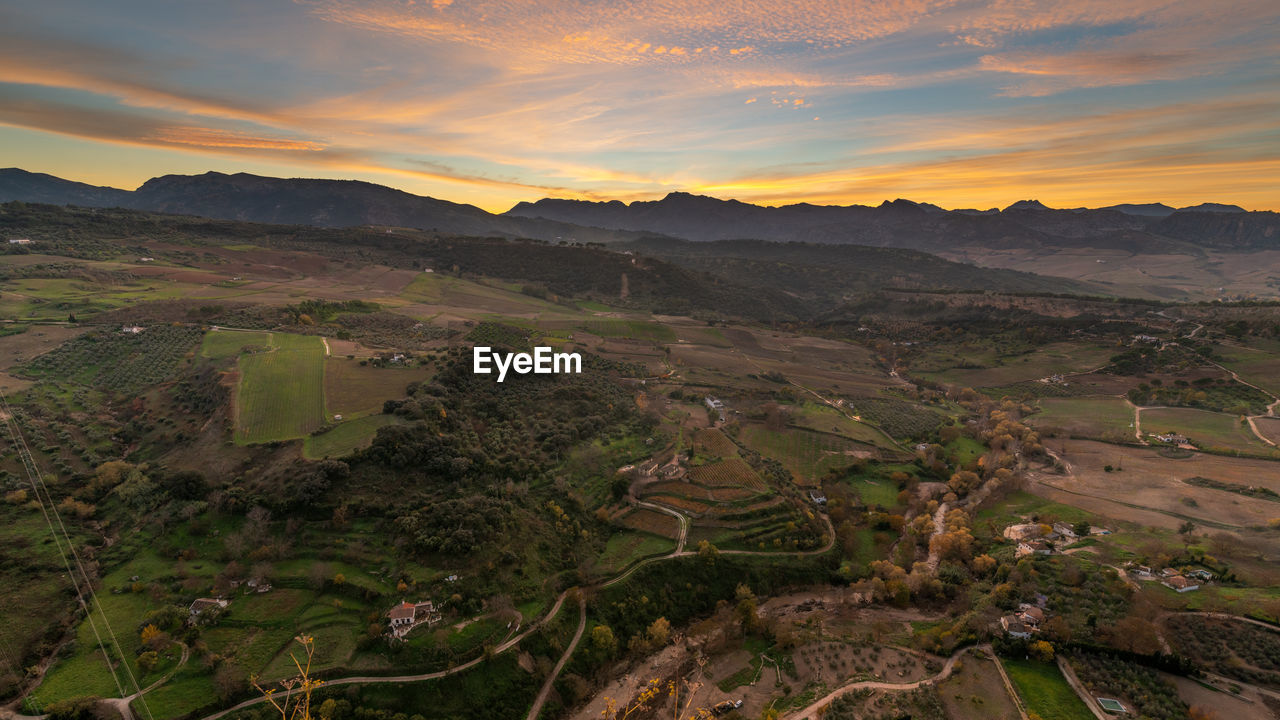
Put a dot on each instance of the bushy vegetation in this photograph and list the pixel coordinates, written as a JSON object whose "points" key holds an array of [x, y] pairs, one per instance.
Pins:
{"points": [[1219, 394], [1150, 695], [1228, 647]]}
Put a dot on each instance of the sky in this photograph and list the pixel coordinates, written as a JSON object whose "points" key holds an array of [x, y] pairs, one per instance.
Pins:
{"points": [[963, 103]]}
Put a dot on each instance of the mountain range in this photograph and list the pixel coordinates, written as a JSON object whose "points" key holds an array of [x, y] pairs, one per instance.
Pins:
{"points": [[899, 223]]}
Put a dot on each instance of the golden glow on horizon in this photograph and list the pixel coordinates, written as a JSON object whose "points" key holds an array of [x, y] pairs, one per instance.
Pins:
{"points": [[493, 102]]}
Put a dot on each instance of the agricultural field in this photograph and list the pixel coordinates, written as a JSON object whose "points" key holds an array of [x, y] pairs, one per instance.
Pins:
{"points": [[651, 522], [632, 329], [980, 365], [346, 437], [625, 547], [1044, 691], [1140, 689], [1145, 486], [807, 454], [975, 691], [220, 344], [1215, 432], [1232, 648], [898, 417], [117, 361], [281, 391], [57, 298], [1269, 428], [731, 473], [824, 418], [1102, 418], [352, 389], [712, 442], [1258, 364]]}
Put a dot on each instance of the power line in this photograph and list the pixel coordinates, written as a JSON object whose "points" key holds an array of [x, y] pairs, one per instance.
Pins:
{"points": [[50, 512]]}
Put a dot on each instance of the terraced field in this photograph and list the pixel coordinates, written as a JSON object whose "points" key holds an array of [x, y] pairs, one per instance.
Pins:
{"points": [[733, 472]]}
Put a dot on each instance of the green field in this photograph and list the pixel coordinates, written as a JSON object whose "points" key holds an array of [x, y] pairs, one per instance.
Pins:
{"points": [[824, 418], [352, 389], [220, 344], [1257, 365], [807, 454], [1102, 418], [1207, 430], [635, 329], [346, 437], [976, 365], [624, 547], [1044, 691], [281, 392]]}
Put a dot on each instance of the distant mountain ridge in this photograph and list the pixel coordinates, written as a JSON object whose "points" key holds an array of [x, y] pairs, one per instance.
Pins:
{"points": [[1152, 227], [900, 223], [294, 201]]}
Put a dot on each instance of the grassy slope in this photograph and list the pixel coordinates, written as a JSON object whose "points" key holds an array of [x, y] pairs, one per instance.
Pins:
{"points": [[281, 393]]}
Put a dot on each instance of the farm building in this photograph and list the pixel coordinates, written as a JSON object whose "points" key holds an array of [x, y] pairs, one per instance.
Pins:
{"points": [[19, 241], [406, 616], [1178, 583], [1014, 627], [1033, 547], [202, 604]]}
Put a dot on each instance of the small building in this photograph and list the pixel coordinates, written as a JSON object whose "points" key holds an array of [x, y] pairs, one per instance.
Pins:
{"points": [[1064, 530], [146, 259], [1199, 574], [203, 604], [257, 585], [1033, 547], [406, 616], [19, 241], [1031, 615], [818, 497], [1174, 438], [1178, 583], [132, 329], [1014, 627]]}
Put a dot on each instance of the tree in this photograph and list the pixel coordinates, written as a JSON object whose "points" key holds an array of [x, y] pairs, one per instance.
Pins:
{"points": [[154, 638], [659, 632], [707, 551], [148, 660], [603, 640], [1186, 530], [1041, 650], [746, 613]]}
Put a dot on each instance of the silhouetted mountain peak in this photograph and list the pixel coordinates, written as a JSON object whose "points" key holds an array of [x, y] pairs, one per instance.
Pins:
{"points": [[1027, 205], [1213, 207]]}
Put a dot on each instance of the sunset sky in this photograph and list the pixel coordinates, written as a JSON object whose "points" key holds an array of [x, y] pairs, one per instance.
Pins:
{"points": [[964, 104]]}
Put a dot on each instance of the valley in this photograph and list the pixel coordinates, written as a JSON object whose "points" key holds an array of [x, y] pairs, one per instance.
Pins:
{"points": [[252, 433]]}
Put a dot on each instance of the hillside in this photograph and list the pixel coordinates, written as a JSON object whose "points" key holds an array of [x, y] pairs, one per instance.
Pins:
{"points": [[293, 201], [907, 224]]}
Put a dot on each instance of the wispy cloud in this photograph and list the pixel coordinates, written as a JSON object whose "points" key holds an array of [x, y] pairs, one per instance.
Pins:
{"points": [[509, 99]]}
